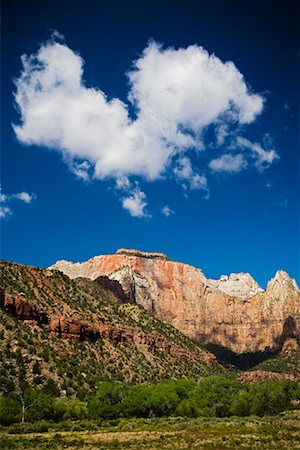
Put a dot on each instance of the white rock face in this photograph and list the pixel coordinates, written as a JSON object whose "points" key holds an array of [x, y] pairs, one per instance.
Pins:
{"points": [[240, 285], [281, 281], [77, 269]]}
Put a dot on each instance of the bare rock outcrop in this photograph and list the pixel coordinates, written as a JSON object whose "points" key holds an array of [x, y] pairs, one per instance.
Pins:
{"points": [[240, 285], [21, 307], [233, 312], [290, 345]]}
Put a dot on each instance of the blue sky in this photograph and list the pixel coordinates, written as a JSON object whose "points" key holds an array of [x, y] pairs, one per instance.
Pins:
{"points": [[164, 126]]}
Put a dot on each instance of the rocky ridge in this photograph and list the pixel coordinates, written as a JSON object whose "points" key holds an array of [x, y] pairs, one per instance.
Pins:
{"points": [[233, 312], [78, 333], [70, 326]]}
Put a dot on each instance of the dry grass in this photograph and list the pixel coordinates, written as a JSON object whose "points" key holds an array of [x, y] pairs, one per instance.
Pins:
{"points": [[278, 433]]}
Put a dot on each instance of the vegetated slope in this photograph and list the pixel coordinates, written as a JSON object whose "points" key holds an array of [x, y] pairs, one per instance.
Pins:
{"points": [[287, 364], [67, 336]]}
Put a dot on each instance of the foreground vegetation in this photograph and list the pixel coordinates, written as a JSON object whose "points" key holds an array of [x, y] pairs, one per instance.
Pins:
{"points": [[252, 433], [213, 396]]}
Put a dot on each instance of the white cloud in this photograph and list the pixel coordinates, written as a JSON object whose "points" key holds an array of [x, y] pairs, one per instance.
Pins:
{"points": [[5, 210], [189, 88], [222, 133], [175, 94], [80, 169], [135, 203], [184, 172], [123, 183], [167, 211], [24, 197], [262, 158], [228, 163]]}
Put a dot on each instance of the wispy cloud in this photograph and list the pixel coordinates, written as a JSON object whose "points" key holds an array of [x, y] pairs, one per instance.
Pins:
{"points": [[282, 203], [5, 212], [175, 93], [5, 199], [228, 163], [185, 173], [167, 211], [262, 158]]}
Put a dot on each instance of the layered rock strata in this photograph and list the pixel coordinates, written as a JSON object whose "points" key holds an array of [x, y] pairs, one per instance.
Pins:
{"points": [[69, 326], [233, 312]]}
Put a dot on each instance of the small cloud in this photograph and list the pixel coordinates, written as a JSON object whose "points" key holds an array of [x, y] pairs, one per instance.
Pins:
{"points": [[135, 203], [262, 158], [5, 212], [228, 163], [167, 211], [186, 175], [222, 133], [24, 197], [80, 169], [57, 36]]}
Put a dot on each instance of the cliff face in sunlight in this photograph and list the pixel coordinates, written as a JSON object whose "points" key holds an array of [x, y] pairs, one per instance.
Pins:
{"points": [[233, 312]]}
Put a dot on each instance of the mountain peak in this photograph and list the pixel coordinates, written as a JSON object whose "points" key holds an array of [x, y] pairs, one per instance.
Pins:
{"points": [[282, 280]]}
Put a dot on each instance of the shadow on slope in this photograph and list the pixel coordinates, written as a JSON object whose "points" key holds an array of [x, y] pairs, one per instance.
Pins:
{"points": [[241, 361]]}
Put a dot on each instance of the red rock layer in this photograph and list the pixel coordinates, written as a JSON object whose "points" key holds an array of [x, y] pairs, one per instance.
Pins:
{"points": [[69, 327]]}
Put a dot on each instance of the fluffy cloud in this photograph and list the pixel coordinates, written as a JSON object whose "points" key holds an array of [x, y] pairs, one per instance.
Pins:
{"points": [[228, 163], [24, 197], [135, 203], [176, 95], [5, 210], [187, 89]]}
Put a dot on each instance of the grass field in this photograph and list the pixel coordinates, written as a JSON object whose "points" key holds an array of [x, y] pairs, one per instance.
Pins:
{"points": [[281, 432]]}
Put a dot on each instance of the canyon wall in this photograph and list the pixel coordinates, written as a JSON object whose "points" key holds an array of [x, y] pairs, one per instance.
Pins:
{"points": [[233, 312]]}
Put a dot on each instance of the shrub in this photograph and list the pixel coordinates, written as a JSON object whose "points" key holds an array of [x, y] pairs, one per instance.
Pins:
{"points": [[10, 410]]}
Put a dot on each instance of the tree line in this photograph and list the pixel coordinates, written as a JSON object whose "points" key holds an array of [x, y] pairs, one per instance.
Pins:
{"points": [[213, 396]]}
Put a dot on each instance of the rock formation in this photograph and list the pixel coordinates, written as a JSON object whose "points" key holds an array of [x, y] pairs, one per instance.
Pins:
{"points": [[240, 285], [233, 312], [71, 326]]}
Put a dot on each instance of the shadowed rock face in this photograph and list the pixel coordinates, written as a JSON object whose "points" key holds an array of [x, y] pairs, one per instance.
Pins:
{"points": [[233, 312]]}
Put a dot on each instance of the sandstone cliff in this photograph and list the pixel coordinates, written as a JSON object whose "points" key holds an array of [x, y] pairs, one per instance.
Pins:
{"points": [[233, 312]]}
